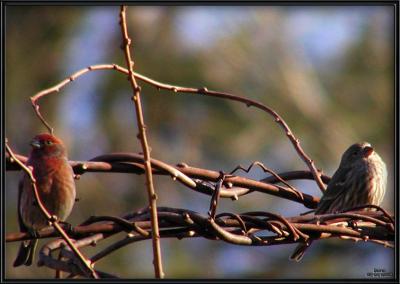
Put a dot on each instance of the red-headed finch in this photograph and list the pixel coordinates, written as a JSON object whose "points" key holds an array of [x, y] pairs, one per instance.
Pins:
{"points": [[360, 180], [56, 187]]}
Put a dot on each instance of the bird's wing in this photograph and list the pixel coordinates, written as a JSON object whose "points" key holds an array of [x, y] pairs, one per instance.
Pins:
{"points": [[22, 226], [335, 187]]}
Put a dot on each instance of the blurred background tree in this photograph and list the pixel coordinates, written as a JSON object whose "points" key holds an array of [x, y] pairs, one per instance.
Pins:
{"points": [[328, 71]]}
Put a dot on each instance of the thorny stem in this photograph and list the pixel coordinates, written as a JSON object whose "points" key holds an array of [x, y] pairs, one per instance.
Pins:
{"points": [[53, 221], [203, 91], [146, 152]]}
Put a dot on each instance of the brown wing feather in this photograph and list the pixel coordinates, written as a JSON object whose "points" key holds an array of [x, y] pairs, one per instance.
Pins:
{"points": [[335, 187], [22, 226]]}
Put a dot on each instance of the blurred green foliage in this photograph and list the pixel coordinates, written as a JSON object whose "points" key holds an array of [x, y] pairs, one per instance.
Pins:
{"points": [[329, 103]]}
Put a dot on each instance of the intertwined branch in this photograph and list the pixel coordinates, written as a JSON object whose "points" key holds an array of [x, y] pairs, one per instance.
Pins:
{"points": [[237, 229], [197, 179], [249, 229]]}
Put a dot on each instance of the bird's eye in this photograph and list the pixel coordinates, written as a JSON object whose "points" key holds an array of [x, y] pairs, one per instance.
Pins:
{"points": [[354, 154], [48, 142]]}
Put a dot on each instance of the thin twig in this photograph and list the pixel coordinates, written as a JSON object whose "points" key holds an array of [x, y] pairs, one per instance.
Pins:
{"points": [[146, 152], [215, 196], [128, 226], [372, 206], [267, 170]]}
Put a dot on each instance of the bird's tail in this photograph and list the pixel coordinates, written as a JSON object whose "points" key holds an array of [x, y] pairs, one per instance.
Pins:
{"points": [[26, 253], [299, 251]]}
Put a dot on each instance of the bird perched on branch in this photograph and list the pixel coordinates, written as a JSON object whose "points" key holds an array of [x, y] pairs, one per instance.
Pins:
{"points": [[360, 180], [56, 188]]}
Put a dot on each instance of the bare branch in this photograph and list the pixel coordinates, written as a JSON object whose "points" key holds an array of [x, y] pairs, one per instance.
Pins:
{"points": [[202, 91], [237, 229], [158, 269], [235, 186]]}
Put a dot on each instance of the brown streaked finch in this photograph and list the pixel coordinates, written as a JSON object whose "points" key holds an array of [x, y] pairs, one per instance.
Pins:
{"points": [[360, 180], [56, 188]]}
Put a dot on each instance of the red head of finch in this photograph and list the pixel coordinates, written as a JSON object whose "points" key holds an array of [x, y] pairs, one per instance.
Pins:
{"points": [[360, 180], [56, 187]]}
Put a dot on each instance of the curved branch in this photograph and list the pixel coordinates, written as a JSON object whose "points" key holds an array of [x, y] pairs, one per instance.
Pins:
{"points": [[202, 91], [132, 163]]}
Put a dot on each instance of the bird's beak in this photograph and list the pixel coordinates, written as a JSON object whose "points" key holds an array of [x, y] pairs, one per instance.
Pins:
{"points": [[368, 150], [35, 144]]}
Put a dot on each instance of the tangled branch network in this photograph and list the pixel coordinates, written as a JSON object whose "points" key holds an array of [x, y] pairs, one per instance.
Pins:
{"points": [[249, 228], [153, 222]]}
